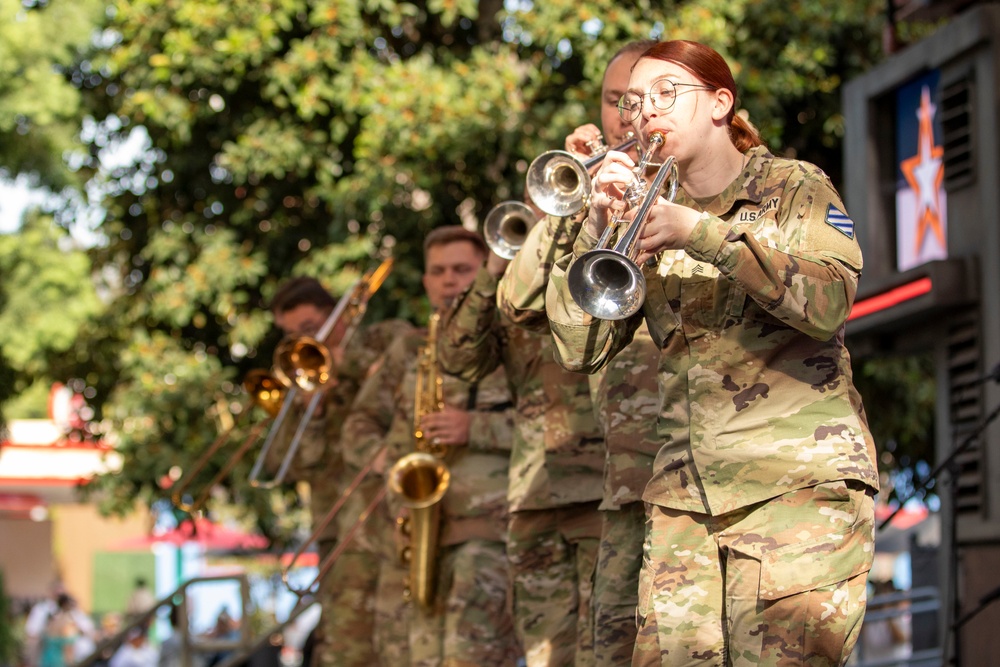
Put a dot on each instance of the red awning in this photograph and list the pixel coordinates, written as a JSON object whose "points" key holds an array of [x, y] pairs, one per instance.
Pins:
{"points": [[212, 536]]}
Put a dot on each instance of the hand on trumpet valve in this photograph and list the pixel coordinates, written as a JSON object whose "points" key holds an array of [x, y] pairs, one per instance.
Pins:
{"points": [[668, 227], [608, 188], [450, 427], [585, 140]]}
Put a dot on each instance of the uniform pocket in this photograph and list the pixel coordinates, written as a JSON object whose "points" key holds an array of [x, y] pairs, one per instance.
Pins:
{"points": [[824, 560], [661, 319]]}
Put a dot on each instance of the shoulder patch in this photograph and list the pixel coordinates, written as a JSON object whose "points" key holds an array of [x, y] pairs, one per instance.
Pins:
{"points": [[839, 221]]}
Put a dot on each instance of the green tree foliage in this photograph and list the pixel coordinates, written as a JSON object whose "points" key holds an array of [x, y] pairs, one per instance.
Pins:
{"points": [[41, 44], [899, 396], [46, 296], [287, 137]]}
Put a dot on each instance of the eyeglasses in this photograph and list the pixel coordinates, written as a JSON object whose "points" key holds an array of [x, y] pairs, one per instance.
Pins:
{"points": [[662, 95]]}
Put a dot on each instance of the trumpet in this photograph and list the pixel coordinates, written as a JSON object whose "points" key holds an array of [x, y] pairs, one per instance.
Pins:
{"points": [[420, 479], [605, 282], [305, 365], [558, 182], [506, 226], [265, 391]]}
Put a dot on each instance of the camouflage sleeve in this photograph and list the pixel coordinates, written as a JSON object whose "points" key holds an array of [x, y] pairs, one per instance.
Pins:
{"points": [[367, 346], [583, 343], [492, 426], [521, 293], [492, 430], [374, 406], [469, 346], [811, 287]]}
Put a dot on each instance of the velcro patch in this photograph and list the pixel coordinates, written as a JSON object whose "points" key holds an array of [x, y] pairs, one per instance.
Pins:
{"points": [[839, 221]]}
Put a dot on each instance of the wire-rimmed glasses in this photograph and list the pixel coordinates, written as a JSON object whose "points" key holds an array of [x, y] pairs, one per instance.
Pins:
{"points": [[662, 95]]}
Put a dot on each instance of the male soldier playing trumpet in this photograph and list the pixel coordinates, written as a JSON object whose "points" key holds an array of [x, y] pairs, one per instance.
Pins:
{"points": [[347, 593], [466, 621], [625, 395]]}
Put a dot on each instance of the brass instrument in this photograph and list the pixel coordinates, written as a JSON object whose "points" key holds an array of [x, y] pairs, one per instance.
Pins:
{"points": [[304, 364], [332, 557], [420, 479], [264, 390], [607, 283], [558, 182], [506, 226]]}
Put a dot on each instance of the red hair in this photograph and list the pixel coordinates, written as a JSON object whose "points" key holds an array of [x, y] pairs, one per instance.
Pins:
{"points": [[710, 68]]}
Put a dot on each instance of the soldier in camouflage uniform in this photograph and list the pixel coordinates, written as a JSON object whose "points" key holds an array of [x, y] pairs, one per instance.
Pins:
{"points": [[347, 592], [468, 621], [624, 394], [556, 464], [759, 534]]}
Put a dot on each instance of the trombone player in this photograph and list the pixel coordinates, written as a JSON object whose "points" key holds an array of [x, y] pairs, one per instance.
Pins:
{"points": [[300, 307], [465, 619]]}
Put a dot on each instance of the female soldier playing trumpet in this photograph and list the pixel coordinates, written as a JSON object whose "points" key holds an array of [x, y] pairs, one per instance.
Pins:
{"points": [[759, 533]]}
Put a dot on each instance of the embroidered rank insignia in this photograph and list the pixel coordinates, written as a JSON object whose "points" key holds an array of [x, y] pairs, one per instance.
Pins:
{"points": [[839, 221]]}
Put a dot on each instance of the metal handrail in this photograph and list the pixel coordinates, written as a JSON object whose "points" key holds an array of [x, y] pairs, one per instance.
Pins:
{"points": [[243, 646], [921, 600]]}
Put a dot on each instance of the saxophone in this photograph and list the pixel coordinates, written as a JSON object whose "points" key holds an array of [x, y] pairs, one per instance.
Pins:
{"points": [[420, 479]]}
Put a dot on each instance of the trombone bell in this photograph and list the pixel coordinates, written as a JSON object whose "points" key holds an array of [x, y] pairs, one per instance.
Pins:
{"points": [[304, 362], [506, 226], [264, 390]]}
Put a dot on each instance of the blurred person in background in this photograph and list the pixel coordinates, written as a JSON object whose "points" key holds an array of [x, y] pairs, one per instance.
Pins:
{"points": [[38, 619]]}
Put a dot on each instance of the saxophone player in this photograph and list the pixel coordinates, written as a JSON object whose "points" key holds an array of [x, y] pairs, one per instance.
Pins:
{"points": [[466, 619], [346, 594]]}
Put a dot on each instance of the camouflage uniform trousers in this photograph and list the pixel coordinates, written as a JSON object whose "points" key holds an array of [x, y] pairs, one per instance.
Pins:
{"points": [[470, 623], [780, 582], [392, 614], [553, 555], [616, 584], [347, 597]]}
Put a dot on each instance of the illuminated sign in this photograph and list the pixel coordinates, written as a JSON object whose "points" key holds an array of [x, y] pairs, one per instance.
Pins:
{"points": [[921, 212]]}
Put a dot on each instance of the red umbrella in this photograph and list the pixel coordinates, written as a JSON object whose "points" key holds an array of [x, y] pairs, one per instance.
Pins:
{"points": [[212, 536]]}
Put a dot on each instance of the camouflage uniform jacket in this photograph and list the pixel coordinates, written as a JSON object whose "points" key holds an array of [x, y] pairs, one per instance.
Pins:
{"points": [[475, 505], [558, 451], [319, 459], [624, 394], [756, 396]]}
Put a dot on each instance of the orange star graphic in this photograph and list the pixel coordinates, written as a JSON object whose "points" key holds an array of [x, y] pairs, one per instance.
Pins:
{"points": [[925, 172]]}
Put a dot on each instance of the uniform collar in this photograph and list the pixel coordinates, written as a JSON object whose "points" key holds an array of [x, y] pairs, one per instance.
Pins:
{"points": [[748, 186]]}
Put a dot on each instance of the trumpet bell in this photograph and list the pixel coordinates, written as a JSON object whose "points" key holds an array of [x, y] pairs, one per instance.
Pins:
{"points": [[506, 226], [558, 183], [607, 285], [419, 480]]}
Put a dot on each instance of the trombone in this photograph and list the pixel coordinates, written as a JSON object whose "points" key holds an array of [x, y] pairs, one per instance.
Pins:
{"points": [[264, 390], [558, 182], [304, 364], [605, 282], [506, 226], [332, 557]]}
